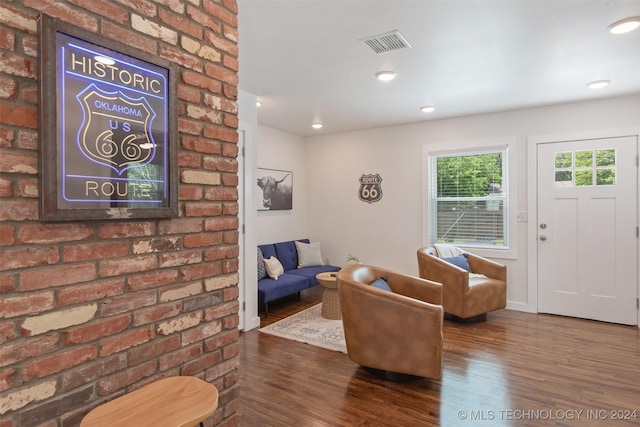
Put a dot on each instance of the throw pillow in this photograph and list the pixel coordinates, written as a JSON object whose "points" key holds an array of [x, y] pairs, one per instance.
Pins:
{"points": [[459, 261], [274, 267], [309, 254], [262, 271], [380, 283]]}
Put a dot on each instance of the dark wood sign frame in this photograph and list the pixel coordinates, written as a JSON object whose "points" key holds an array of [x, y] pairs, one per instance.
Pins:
{"points": [[108, 128]]}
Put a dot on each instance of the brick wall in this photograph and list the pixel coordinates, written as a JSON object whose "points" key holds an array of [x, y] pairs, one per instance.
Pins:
{"points": [[91, 310]]}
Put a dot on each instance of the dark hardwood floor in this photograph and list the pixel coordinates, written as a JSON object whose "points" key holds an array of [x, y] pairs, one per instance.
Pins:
{"points": [[516, 369]]}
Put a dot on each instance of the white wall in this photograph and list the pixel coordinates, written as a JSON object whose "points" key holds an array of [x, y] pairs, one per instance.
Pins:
{"points": [[283, 151], [388, 232]]}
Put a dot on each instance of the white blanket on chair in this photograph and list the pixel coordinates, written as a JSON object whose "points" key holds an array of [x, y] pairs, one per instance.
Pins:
{"points": [[445, 250]]}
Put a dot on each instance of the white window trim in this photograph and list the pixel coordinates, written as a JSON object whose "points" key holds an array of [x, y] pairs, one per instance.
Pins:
{"points": [[465, 147]]}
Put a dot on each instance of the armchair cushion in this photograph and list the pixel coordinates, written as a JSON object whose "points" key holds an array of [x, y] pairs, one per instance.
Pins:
{"points": [[274, 267], [381, 283], [309, 254], [458, 261]]}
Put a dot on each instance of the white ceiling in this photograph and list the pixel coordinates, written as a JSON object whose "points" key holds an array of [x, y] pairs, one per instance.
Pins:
{"points": [[306, 62]]}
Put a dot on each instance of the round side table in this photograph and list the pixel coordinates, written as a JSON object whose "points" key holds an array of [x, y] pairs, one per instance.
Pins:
{"points": [[330, 300]]}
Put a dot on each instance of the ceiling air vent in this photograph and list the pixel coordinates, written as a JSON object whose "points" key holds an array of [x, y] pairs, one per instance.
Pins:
{"points": [[387, 42]]}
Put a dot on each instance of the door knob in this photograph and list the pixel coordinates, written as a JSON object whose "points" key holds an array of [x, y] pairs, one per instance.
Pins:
{"points": [[543, 225], [543, 237]]}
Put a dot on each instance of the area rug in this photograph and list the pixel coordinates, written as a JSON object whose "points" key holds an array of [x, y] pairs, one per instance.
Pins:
{"points": [[308, 326]]}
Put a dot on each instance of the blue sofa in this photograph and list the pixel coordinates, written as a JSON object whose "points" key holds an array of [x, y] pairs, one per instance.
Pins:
{"points": [[293, 280]]}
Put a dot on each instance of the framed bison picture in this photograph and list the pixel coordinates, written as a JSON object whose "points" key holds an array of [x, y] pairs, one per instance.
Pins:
{"points": [[275, 189]]}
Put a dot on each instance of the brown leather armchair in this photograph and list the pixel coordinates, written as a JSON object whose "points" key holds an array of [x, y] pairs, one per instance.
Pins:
{"points": [[396, 335], [466, 297]]}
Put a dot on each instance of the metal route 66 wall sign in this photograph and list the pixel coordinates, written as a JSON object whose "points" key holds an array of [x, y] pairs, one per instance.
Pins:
{"points": [[370, 188]]}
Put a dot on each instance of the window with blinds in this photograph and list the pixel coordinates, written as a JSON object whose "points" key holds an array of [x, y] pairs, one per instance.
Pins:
{"points": [[468, 198]]}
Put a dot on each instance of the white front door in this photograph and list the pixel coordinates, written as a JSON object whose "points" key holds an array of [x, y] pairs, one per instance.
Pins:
{"points": [[587, 225]]}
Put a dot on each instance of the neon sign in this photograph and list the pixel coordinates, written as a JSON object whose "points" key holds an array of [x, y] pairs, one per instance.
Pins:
{"points": [[115, 124]]}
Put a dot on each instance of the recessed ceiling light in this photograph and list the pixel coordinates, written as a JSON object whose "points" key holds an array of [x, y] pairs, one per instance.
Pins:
{"points": [[258, 104], [386, 76], [317, 125], [428, 109], [598, 84], [625, 25]]}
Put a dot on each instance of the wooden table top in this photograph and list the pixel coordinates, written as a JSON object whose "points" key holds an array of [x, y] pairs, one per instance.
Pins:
{"points": [[170, 402]]}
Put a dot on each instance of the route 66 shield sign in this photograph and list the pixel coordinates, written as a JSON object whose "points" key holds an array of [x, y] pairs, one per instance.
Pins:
{"points": [[370, 188]]}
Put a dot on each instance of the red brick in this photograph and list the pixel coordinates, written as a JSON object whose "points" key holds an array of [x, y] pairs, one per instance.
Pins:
{"points": [[8, 87], [179, 56], [153, 350], [90, 251], [28, 139], [65, 13], [202, 209], [190, 94], [202, 240], [6, 235], [223, 164], [222, 310], [18, 163], [126, 230], [230, 265], [91, 332], [128, 37], [58, 362], [230, 150], [221, 73], [88, 372], [6, 137], [125, 378], [189, 127], [128, 302], [203, 18], [155, 279], [201, 364], [201, 332], [187, 192], [90, 292], [189, 160], [127, 265], [230, 294], [104, 8], [230, 179], [7, 379], [26, 349], [164, 244], [7, 283], [21, 305], [221, 133], [56, 276], [28, 187], [18, 66], [221, 193], [230, 120], [28, 257], [30, 47], [30, 94], [231, 63], [180, 226], [156, 313], [221, 252], [179, 258], [17, 19], [200, 271], [124, 341], [7, 331], [181, 24], [54, 233], [198, 80], [223, 339], [221, 223], [220, 12], [6, 188], [178, 358], [16, 210], [231, 351], [201, 145]]}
